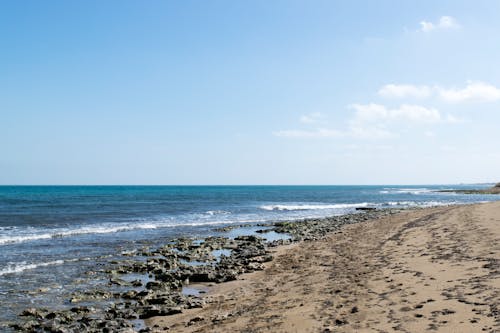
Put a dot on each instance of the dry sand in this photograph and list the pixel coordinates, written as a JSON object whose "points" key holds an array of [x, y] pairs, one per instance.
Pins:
{"points": [[435, 270]]}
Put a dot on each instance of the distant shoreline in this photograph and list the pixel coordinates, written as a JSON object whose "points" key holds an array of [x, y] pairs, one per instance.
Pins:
{"points": [[493, 190]]}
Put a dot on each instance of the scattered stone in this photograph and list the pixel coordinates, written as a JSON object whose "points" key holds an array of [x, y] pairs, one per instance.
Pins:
{"points": [[340, 322], [195, 320]]}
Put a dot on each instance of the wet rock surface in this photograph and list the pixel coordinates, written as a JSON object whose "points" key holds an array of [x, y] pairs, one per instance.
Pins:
{"points": [[149, 282]]}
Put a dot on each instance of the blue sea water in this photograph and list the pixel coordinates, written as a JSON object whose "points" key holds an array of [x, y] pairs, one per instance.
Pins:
{"points": [[50, 235]]}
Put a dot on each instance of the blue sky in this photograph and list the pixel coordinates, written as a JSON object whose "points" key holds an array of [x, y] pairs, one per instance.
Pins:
{"points": [[249, 92]]}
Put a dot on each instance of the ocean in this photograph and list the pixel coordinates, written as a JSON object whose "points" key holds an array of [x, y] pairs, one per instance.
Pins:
{"points": [[50, 236]]}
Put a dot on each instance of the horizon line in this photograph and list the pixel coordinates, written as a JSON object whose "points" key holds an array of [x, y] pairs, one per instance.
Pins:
{"points": [[207, 185]]}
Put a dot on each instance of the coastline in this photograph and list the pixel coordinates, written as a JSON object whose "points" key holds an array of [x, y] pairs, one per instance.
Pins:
{"points": [[377, 269], [431, 269], [148, 282]]}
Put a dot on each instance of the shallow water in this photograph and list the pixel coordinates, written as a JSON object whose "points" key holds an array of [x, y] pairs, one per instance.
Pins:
{"points": [[196, 290]]}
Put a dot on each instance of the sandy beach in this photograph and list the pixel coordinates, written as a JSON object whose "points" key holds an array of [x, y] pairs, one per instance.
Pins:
{"points": [[434, 269]]}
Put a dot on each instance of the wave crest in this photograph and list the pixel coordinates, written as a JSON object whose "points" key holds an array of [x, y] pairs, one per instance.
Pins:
{"points": [[313, 207], [13, 268], [415, 191], [217, 212]]}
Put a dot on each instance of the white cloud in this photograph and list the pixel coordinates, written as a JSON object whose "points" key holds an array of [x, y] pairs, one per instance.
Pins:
{"points": [[369, 112], [445, 22], [376, 113], [427, 26], [416, 113], [375, 121], [448, 22], [370, 121], [311, 118], [474, 91], [404, 90]]}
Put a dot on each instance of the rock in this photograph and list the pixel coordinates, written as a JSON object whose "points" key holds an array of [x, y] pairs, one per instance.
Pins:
{"points": [[153, 311], [131, 294], [255, 266], [250, 238], [202, 277], [75, 299], [157, 285], [195, 320], [340, 322], [220, 317], [136, 283], [34, 312], [81, 309], [163, 300], [50, 315], [28, 326]]}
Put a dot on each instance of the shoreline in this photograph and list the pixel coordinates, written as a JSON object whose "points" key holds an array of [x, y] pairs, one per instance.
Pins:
{"points": [[433, 269], [151, 282], [198, 285]]}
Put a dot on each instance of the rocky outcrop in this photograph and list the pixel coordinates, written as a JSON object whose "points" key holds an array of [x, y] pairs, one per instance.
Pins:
{"points": [[492, 190]]}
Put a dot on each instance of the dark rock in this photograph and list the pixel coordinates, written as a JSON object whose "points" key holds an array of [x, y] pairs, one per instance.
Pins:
{"points": [[195, 320], [340, 322], [34, 312], [81, 309], [202, 277], [50, 315], [157, 285], [153, 311]]}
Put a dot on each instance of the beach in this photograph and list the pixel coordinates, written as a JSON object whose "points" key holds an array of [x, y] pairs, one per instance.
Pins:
{"points": [[433, 269], [212, 259]]}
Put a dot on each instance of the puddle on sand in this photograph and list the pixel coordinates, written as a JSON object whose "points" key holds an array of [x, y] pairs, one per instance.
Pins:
{"points": [[273, 236], [194, 290], [139, 324]]}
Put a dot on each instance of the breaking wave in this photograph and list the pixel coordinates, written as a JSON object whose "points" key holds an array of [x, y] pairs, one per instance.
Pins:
{"points": [[415, 191], [311, 207], [13, 268]]}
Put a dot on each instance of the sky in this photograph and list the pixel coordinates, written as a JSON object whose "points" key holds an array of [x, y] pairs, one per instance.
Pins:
{"points": [[249, 92]]}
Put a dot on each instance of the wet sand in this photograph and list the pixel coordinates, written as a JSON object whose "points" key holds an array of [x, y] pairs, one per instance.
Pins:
{"points": [[435, 270]]}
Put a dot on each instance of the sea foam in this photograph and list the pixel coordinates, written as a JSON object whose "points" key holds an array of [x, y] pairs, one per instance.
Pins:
{"points": [[13, 268], [23, 236], [313, 207], [56, 233], [415, 191]]}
